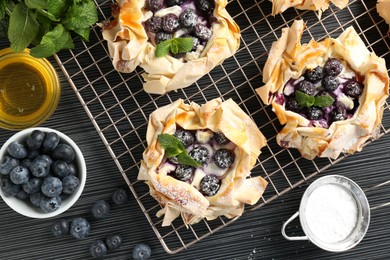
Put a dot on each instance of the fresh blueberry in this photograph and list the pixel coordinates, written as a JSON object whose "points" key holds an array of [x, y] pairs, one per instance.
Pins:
{"points": [[32, 154], [154, 5], [162, 36], [22, 195], [19, 175], [79, 228], [205, 5], [47, 158], [200, 154], [174, 2], [202, 32], [100, 209], [141, 252], [35, 140], [188, 18], [50, 142], [220, 138], [72, 169], [314, 113], [223, 158], [170, 23], [154, 24], [184, 172], [25, 163], [185, 137], [60, 169], [9, 188], [70, 184], [98, 249], [51, 187], [292, 105], [306, 87], [60, 228], [39, 167], [32, 185], [7, 163], [330, 83], [120, 196], [50, 204], [333, 67], [314, 75], [64, 152], [339, 114], [113, 241], [210, 185], [36, 198], [17, 150], [353, 89]]}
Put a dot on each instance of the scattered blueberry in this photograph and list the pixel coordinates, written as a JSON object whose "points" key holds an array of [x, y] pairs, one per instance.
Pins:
{"points": [[32, 185], [50, 204], [36, 198], [35, 140], [120, 196], [25, 163], [64, 152], [72, 169], [79, 228], [170, 23], [98, 249], [223, 158], [162, 36], [339, 114], [113, 241], [174, 2], [292, 105], [200, 154], [188, 18], [60, 169], [19, 175], [353, 89], [314, 75], [155, 5], [202, 32], [32, 154], [22, 195], [306, 87], [17, 150], [210, 185], [50, 142], [184, 172], [185, 137], [39, 167], [60, 228], [314, 113], [9, 188], [51, 187], [100, 209], [7, 163], [70, 184], [333, 67], [154, 24], [330, 83], [220, 138], [204, 5], [141, 252]]}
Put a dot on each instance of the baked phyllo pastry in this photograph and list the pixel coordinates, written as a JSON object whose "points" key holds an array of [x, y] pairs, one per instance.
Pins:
{"points": [[329, 95], [383, 9], [279, 6], [199, 158], [176, 42]]}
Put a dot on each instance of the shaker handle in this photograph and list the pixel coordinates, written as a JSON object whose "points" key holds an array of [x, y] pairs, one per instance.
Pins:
{"points": [[284, 229]]}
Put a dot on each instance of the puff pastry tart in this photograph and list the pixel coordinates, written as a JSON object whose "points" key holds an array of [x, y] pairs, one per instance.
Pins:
{"points": [[328, 94], [222, 140], [140, 26], [383, 7], [279, 6]]}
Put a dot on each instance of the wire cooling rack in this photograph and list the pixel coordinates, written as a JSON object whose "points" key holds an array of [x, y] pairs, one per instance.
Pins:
{"points": [[119, 108]]}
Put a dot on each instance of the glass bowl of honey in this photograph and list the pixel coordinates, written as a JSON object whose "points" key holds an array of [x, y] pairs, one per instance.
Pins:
{"points": [[29, 90]]}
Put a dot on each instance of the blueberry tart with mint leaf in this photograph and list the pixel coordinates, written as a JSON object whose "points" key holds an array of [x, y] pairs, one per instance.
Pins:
{"points": [[199, 158], [279, 6], [329, 95], [176, 42]]}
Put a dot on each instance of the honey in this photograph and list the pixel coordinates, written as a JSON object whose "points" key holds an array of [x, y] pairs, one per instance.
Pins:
{"points": [[29, 90]]}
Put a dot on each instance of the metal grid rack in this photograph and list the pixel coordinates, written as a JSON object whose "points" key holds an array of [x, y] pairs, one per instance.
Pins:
{"points": [[119, 108]]}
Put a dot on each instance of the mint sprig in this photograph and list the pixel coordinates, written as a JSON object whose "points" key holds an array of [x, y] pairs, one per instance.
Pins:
{"points": [[173, 147], [306, 100], [174, 45]]}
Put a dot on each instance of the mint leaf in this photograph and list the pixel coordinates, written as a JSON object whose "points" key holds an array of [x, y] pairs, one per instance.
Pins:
{"points": [[323, 101], [36, 4], [3, 6], [304, 99], [48, 15], [171, 145], [4, 23], [81, 14], [57, 8], [185, 44], [163, 48], [57, 39], [174, 47], [83, 33], [185, 159], [23, 27]]}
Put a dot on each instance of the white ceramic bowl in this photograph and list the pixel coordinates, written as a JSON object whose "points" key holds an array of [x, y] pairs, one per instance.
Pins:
{"points": [[25, 207]]}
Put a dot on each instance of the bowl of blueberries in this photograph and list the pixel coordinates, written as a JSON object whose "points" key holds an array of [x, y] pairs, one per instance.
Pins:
{"points": [[42, 172]]}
